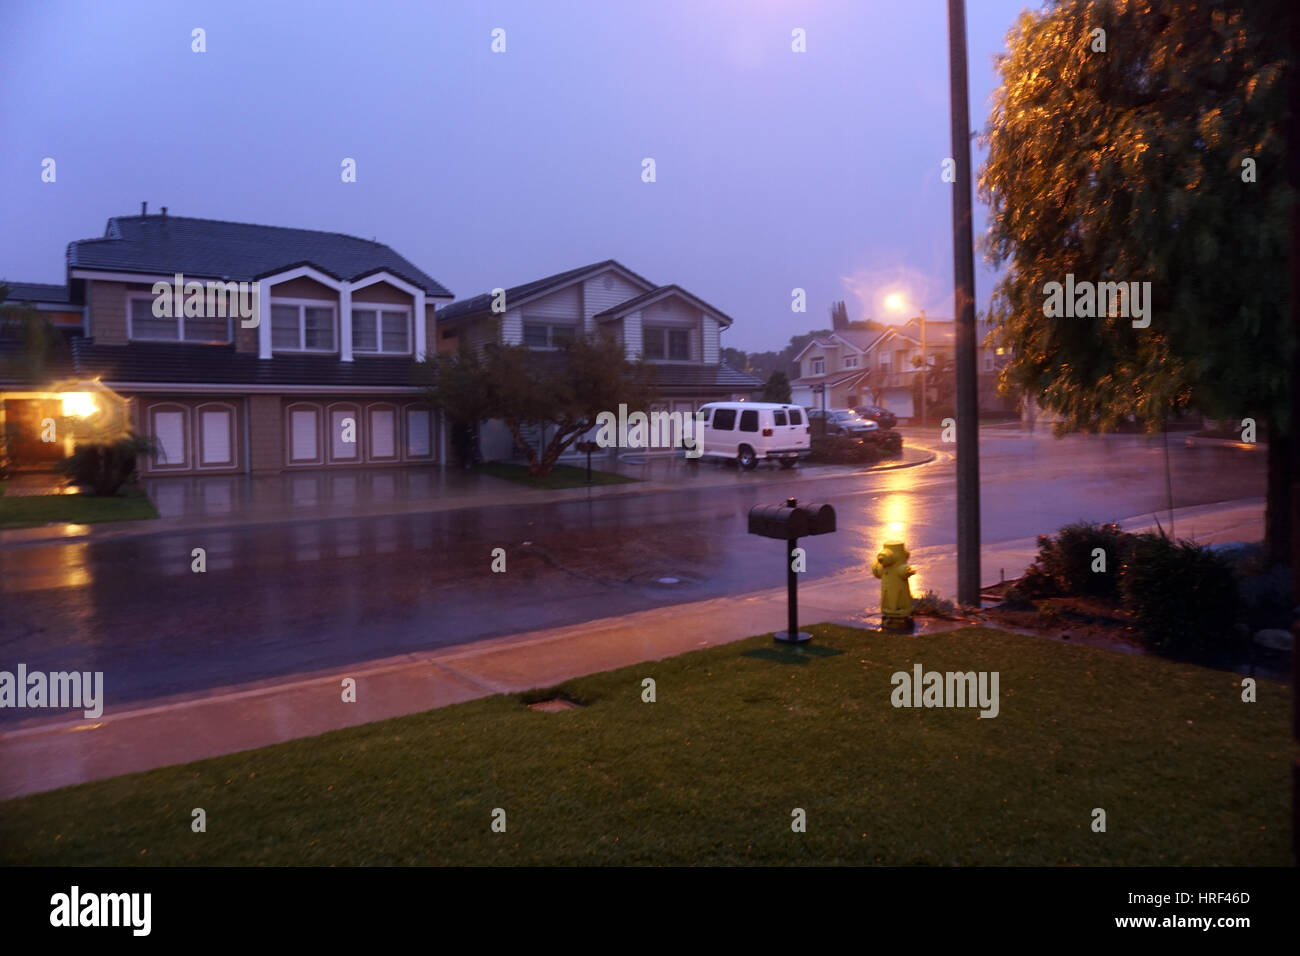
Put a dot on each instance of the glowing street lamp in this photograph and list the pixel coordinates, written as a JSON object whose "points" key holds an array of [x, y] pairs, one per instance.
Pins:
{"points": [[79, 405], [897, 302]]}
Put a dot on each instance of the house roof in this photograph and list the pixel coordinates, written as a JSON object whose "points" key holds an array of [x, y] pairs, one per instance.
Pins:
{"points": [[722, 375], [834, 379], [42, 292], [655, 295], [155, 362], [236, 251], [529, 290]]}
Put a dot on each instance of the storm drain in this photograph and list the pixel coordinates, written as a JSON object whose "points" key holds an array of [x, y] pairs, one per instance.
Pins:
{"points": [[553, 705]]}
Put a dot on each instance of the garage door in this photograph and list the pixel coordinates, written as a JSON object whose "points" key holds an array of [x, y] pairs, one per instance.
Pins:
{"points": [[304, 435]]}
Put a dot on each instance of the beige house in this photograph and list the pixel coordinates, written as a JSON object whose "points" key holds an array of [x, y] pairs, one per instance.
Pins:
{"points": [[849, 368]]}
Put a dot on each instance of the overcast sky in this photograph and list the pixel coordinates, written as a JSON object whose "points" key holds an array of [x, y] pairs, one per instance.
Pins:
{"points": [[775, 169]]}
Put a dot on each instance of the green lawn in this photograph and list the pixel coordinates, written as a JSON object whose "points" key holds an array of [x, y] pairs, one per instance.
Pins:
{"points": [[710, 773], [561, 476], [26, 511]]}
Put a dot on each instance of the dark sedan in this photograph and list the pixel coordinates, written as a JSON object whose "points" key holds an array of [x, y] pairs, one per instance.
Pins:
{"points": [[881, 416]]}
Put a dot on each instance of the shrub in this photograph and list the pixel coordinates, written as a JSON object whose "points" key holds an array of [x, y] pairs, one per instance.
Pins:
{"points": [[1182, 597], [888, 442], [1064, 563], [932, 605], [106, 468], [842, 450]]}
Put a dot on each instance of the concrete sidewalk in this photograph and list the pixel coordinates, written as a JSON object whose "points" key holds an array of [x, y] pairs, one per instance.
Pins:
{"points": [[46, 753], [211, 503]]}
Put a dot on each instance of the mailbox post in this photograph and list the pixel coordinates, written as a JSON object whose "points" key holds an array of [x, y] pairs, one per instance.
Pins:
{"points": [[588, 447], [790, 522]]}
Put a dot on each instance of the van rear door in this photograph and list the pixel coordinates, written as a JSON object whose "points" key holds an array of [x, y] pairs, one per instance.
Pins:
{"points": [[797, 428]]}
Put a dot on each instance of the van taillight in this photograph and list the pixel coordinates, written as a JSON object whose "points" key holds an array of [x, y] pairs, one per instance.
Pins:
{"points": [[807, 429], [767, 433]]}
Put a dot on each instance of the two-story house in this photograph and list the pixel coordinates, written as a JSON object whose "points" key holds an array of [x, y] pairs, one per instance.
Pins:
{"points": [[322, 378], [853, 367], [676, 332]]}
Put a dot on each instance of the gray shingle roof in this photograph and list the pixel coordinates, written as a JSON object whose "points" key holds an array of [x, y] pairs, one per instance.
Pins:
{"points": [[483, 303], [235, 250], [37, 292], [631, 305], [721, 375]]}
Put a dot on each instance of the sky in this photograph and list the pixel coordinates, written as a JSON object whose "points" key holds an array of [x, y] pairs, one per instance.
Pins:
{"points": [[773, 170]]}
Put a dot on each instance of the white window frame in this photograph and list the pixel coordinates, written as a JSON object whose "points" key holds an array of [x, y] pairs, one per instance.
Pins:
{"points": [[379, 308], [850, 361], [178, 319], [662, 331], [549, 323], [818, 366], [302, 324], [398, 435]]}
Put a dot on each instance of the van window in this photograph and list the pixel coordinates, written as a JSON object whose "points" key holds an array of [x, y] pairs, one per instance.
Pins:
{"points": [[749, 420], [707, 412], [778, 417], [724, 419], [796, 417]]}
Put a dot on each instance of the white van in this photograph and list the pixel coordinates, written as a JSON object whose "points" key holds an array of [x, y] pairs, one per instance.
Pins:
{"points": [[748, 432]]}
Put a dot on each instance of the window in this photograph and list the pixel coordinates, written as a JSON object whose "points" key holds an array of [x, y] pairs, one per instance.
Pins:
{"points": [[885, 360], [796, 417], [381, 331], [749, 420], [778, 417], [724, 419], [147, 327], [662, 343], [850, 361], [382, 421], [988, 363], [302, 327], [819, 366], [545, 335]]}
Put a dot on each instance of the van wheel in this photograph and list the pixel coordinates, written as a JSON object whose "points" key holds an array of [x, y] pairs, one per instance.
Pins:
{"points": [[747, 459]]}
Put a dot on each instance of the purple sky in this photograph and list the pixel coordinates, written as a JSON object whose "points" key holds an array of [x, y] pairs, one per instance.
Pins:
{"points": [[775, 169]]}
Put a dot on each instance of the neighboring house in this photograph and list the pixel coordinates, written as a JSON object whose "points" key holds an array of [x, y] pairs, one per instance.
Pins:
{"points": [[852, 367], [341, 323], [674, 331]]}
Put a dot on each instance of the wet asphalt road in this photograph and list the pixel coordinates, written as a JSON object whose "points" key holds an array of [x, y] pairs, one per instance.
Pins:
{"points": [[286, 598]]}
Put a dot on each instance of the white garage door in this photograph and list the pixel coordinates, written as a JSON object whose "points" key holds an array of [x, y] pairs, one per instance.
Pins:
{"points": [[304, 437], [383, 433], [343, 434], [215, 428], [169, 430], [419, 434]]}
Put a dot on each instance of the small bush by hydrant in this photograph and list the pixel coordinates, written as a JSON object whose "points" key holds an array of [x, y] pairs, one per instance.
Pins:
{"points": [[895, 591]]}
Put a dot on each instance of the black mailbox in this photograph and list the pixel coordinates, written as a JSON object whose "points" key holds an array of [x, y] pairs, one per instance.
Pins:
{"points": [[791, 520]]}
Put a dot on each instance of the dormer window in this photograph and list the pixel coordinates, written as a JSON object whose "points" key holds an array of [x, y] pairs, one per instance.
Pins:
{"points": [[666, 344], [381, 331], [306, 326]]}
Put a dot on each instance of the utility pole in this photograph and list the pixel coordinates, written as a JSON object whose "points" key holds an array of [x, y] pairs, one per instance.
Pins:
{"points": [[963, 260]]}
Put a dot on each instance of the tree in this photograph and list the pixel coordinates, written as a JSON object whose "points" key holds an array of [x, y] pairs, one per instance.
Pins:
{"points": [[839, 315], [561, 391], [777, 388], [1156, 161], [457, 384]]}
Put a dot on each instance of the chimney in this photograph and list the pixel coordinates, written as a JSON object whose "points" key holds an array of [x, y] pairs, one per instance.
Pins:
{"points": [[144, 208], [164, 210]]}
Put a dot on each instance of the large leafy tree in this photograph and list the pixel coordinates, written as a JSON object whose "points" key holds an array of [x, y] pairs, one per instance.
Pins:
{"points": [[563, 391], [1129, 164]]}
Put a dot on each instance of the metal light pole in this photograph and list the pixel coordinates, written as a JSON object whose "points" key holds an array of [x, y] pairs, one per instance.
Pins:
{"points": [[925, 362], [963, 261]]}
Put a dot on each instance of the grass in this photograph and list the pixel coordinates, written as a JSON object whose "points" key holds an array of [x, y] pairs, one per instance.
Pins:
{"points": [[711, 772], [30, 510], [561, 476]]}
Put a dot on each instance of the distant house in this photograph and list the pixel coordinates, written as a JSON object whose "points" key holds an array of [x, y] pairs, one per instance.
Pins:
{"points": [[341, 322], [676, 332], [852, 367]]}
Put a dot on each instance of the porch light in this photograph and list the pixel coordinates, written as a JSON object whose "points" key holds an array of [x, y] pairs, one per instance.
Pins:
{"points": [[79, 404]]}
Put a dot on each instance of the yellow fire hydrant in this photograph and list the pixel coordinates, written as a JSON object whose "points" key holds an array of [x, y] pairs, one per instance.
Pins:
{"points": [[895, 592]]}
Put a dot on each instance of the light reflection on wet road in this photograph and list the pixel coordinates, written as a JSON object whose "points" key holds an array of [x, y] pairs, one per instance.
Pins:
{"points": [[284, 598]]}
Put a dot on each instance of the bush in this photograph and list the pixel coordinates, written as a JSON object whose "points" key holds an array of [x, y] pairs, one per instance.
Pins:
{"points": [[888, 441], [932, 605], [106, 468], [1182, 597], [1068, 558], [842, 450]]}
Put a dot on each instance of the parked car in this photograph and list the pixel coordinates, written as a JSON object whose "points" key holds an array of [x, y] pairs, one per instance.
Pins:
{"points": [[840, 421], [881, 416], [750, 432]]}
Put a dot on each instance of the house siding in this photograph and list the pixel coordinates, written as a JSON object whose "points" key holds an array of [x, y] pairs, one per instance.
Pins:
{"points": [[596, 298], [710, 349], [303, 288], [265, 434], [383, 293], [107, 302], [632, 334]]}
